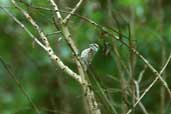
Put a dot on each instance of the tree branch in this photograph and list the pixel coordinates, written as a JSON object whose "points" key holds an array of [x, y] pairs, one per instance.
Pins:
{"points": [[72, 12], [90, 96], [46, 47], [151, 85]]}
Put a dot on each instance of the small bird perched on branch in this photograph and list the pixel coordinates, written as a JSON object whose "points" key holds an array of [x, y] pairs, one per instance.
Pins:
{"points": [[88, 54]]}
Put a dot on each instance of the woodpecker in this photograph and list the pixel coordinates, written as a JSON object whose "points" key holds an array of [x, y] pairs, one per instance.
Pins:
{"points": [[88, 54]]}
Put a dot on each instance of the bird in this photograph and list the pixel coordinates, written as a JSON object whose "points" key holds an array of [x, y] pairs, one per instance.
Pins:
{"points": [[88, 54]]}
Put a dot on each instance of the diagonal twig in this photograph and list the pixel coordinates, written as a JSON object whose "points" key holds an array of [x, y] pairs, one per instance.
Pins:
{"points": [[12, 76], [137, 88], [151, 85], [73, 11]]}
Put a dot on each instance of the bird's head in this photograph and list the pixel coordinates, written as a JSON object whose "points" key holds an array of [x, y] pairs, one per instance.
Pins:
{"points": [[94, 47]]}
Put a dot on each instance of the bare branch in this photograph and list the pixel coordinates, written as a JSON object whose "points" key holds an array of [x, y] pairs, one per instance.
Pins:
{"points": [[48, 49], [73, 11], [23, 26], [90, 96], [68, 38], [137, 88], [140, 76], [35, 25], [151, 85]]}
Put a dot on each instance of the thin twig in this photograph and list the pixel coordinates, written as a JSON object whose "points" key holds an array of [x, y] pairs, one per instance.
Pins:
{"points": [[12, 76], [73, 11], [140, 76], [151, 85], [137, 88], [53, 33]]}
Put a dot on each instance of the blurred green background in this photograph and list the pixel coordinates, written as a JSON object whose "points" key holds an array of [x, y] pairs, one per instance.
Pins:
{"points": [[147, 25]]}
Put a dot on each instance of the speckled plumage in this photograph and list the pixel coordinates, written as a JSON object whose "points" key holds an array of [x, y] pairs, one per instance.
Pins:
{"points": [[88, 54]]}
